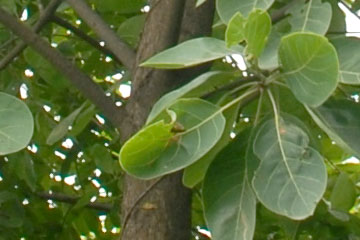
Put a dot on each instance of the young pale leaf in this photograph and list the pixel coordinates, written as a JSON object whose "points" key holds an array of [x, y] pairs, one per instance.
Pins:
{"points": [[162, 148], [314, 16], [229, 201], [349, 62], [227, 8], [340, 120], [235, 30], [190, 53], [62, 128], [195, 173], [291, 177], [343, 195], [310, 66], [256, 32], [16, 124]]}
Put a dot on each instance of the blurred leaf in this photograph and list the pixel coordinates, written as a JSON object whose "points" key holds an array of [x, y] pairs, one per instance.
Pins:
{"points": [[16, 124], [343, 195]]}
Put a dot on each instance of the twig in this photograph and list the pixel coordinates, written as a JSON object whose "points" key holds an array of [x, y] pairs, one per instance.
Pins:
{"points": [[83, 36], [120, 49], [73, 200], [47, 13], [349, 8], [138, 200], [79, 79]]}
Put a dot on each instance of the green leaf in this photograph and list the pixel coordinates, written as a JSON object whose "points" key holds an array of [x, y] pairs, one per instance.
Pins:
{"points": [[191, 53], [200, 85], [102, 157], [46, 71], [256, 32], [229, 201], [314, 16], [340, 120], [62, 128], [291, 177], [12, 213], [343, 195], [195, 173], [227, 8], [310, 66], [349, 62], [16, 124], [131, 29], [269, 58], [162, 148], [120, 6], [235, 30]]}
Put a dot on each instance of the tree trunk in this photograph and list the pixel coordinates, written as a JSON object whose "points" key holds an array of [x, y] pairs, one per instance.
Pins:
{"points": [[164, 213]]}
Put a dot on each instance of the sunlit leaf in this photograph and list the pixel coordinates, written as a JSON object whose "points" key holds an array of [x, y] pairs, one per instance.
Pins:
{"points": [[162, 148], [291, 177], [16, 124], [190, 53], [235, 30], [310, 66]]}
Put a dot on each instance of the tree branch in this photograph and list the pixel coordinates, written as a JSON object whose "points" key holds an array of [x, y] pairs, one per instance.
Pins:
{"points": [[73, 200], [44, 17], [120, 49], [80, 80], [84, 36]]}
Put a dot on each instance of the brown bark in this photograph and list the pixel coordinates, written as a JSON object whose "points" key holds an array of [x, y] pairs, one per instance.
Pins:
{"points": [[164, 213]]}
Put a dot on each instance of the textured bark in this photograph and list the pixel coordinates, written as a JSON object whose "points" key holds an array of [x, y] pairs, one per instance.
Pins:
{"points": [[165, 212]]}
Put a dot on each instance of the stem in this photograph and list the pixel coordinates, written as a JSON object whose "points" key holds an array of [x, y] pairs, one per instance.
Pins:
{"points": [[239, 88], [223, 108], [258, 110]]}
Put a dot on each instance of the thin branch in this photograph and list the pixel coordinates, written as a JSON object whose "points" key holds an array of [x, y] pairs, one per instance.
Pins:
{"points": [[138, 200], [44, 17], [79, 79], [73, 200], [120, 49], [84, 36]]}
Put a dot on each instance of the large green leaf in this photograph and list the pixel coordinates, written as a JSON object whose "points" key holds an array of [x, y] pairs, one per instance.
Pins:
{"points": [[201, 85], [340, 120], [314, 16], [291, 177], [162, 148], [269, 58], [310, 66], [16, 124], [343, 195], [190, 53], [227, 8], [229, 201], [349, 62]]}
